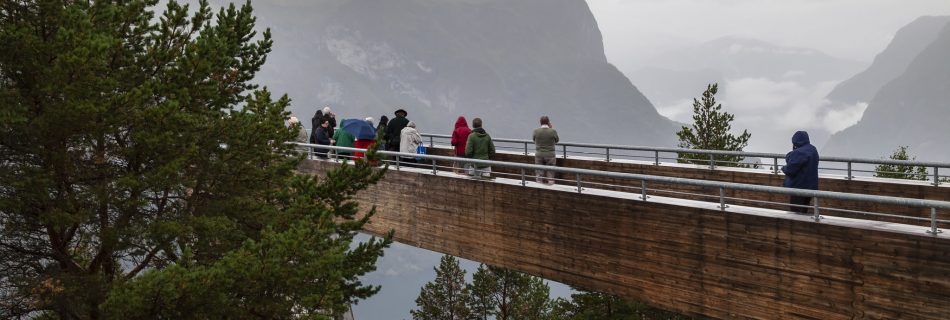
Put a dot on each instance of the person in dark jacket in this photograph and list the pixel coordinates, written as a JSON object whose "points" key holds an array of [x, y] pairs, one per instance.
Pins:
{"points": [[322, 136], [479, 146], [801, 170], [331, 117], [381, 131], [459, 139], [314, 124], [394, 130]]}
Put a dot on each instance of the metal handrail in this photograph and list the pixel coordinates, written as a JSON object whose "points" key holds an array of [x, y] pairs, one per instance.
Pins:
{"points": [[918, 203], [775, 156]]}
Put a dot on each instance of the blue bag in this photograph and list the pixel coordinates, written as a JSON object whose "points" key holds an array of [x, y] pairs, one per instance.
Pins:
{"points": [[420, 150]]}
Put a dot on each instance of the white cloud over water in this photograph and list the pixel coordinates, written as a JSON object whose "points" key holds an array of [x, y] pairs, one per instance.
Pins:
{"points": [[773, 110]]}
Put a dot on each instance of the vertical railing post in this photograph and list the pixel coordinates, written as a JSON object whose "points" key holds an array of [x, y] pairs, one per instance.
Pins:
{"points": [[849, 171], [578, 182], [643, 190], [608, 154], [431, 141], [775, 165], [817, 215], [397, 163], [712, 163], [564, 147], [523, 182], [936, 176], [722, 199], [933, 223], [525, 148], [434, 168], [656, 157]]}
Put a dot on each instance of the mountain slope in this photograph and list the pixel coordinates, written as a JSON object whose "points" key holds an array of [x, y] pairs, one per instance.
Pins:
{"points": [[508, 62], [911, 110], [908, 42]]}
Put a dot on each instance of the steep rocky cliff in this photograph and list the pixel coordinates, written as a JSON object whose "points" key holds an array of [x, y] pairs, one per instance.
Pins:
{"points": [[911, 110], [508, 62]]}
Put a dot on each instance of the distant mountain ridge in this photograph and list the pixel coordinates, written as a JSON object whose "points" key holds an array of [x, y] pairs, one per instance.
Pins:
{"points": [[911, 110], [508, 62], [908, 42]]}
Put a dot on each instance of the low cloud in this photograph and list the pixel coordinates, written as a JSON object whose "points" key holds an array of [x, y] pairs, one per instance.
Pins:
{"points": [[773, 110], [844, 116], [680, 111]]}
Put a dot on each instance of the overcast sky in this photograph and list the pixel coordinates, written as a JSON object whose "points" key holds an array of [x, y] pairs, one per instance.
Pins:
{"points": [[853, 29]]}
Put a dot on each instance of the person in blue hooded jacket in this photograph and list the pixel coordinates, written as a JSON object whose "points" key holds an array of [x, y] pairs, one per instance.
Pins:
{"points": [[801, 169]]}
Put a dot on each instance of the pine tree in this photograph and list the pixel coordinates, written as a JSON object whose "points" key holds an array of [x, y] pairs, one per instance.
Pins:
{"points": [[143, 175], [483, 288], [507, 294], [587, 305], [446, 297], [710, 131], [900, 171], [594, 305]]}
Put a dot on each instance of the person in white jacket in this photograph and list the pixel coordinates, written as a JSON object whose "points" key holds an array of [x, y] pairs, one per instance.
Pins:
{"points": [[409, 140]]}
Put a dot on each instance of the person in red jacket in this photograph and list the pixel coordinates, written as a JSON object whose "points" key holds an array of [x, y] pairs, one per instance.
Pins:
{"points": [[459, 138]]}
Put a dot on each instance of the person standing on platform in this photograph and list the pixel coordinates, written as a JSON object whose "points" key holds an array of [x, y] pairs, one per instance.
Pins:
{"points": [[343, 139], [330, 116], [381, 132], [545, 138], [394, 130], [363, 143], [410, 141], [479, 146], [322, 137], [801, 170], [459, 138]]}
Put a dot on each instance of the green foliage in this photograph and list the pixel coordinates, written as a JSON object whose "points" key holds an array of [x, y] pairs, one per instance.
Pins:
{"points": [[447, 297], [498, 293], [495, 293], [142, 175], [900, 171], [710, 131], [507, 294], [600, 306]]}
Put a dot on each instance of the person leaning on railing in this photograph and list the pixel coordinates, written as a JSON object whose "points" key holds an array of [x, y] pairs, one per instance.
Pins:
{"points": [[545, 138], [801, 170]]}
